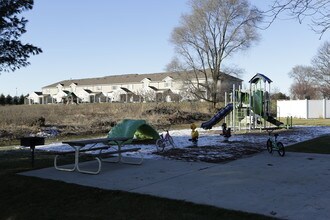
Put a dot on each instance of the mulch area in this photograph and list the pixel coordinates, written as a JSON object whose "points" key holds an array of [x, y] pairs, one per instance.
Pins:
{"points": [[213, 154]]}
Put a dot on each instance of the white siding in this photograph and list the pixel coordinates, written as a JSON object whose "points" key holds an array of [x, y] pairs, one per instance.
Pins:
{"points": [[34, 98], [83, 95]]}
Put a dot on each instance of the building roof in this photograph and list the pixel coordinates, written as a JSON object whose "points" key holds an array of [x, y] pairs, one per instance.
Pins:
{"points": [[127, 90], [159, 90], [123, 79]]}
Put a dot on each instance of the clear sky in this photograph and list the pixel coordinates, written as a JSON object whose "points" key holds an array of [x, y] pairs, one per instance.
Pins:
{"points": [[84, 39]]}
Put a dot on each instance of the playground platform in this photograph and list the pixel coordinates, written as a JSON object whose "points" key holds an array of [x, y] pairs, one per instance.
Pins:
{"points": [[291, 187]]}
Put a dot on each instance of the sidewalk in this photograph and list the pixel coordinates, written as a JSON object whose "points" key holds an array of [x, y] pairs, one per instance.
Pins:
{"points": [[293, 187]]}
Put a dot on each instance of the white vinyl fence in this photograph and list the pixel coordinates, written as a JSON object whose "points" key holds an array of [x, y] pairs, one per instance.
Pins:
{"points": [[303, 108]]}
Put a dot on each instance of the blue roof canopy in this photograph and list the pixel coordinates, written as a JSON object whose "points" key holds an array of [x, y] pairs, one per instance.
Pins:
{"points": [[258, 77]]}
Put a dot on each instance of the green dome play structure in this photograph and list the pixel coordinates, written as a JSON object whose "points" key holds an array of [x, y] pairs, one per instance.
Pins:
{"points": [[131, 128]]}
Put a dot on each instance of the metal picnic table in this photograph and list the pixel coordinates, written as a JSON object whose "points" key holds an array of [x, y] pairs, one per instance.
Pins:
{"points": [[92, 145]]}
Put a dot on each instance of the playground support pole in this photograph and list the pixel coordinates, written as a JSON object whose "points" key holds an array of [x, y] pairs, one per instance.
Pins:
{"points": [[264, 105], [231, 114], [288, 122], [226, 105], [269, 101], [239, 95], [324, 108], [239, 107], [234, 109], [250, 107]]}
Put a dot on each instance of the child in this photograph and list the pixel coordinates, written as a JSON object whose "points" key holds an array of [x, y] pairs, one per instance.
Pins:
{"points": [[194, 134], [226, 132]]}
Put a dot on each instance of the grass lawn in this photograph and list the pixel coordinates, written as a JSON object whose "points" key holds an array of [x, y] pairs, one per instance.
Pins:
{"points": [[33, 198], [308, 122], [320, 145]]}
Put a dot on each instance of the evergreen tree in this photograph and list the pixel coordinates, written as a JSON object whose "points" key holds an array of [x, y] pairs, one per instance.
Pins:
{"points": [[9, 100], [2, 99], [21, 100], [13, 53], [16, 100]]}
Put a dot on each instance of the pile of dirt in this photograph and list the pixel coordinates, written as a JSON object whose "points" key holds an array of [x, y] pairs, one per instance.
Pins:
{"points": [[213, 154]]}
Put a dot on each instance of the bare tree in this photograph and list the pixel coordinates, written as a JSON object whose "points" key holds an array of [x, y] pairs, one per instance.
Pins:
{"points": [[321, 64], [214, 30], [304, 85], [317, 10], [147, 95]]}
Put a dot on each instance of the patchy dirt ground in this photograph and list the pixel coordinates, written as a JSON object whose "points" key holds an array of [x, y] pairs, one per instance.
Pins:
{"points": [[213, 149], [211, 146]]}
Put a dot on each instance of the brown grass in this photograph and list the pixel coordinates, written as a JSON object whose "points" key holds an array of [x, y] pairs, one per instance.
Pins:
{"points": [[16, 121], [85, 114], [97, 119]]}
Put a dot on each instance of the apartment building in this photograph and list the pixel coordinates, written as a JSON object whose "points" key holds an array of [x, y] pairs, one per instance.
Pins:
{"points": [[160, 87]]}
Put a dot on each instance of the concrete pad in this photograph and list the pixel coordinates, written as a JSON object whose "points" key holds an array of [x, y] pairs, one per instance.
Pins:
{"points": [[119, 176], [292, 187]]}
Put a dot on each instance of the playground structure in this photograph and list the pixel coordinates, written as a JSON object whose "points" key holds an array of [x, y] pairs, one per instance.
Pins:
{"points": [[245, 110], [249, 110]]}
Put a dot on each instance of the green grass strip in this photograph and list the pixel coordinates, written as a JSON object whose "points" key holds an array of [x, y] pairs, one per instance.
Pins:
{"points": [[320, 145]]}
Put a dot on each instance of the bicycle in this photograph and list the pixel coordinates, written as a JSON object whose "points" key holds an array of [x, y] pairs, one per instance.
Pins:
{"points": [[274, 145], [164, 141]]}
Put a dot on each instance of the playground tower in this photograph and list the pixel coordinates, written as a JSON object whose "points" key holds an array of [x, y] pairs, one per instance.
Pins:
{"points": [[260, 104]]}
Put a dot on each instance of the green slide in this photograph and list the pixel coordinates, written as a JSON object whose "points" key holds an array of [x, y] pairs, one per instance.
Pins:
{"points": [[273, 121], [257, 106], [257, 102], [130, 128]]}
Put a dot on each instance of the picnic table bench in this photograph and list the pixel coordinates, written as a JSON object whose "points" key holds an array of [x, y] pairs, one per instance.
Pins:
{"points": [[81, 147]]}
